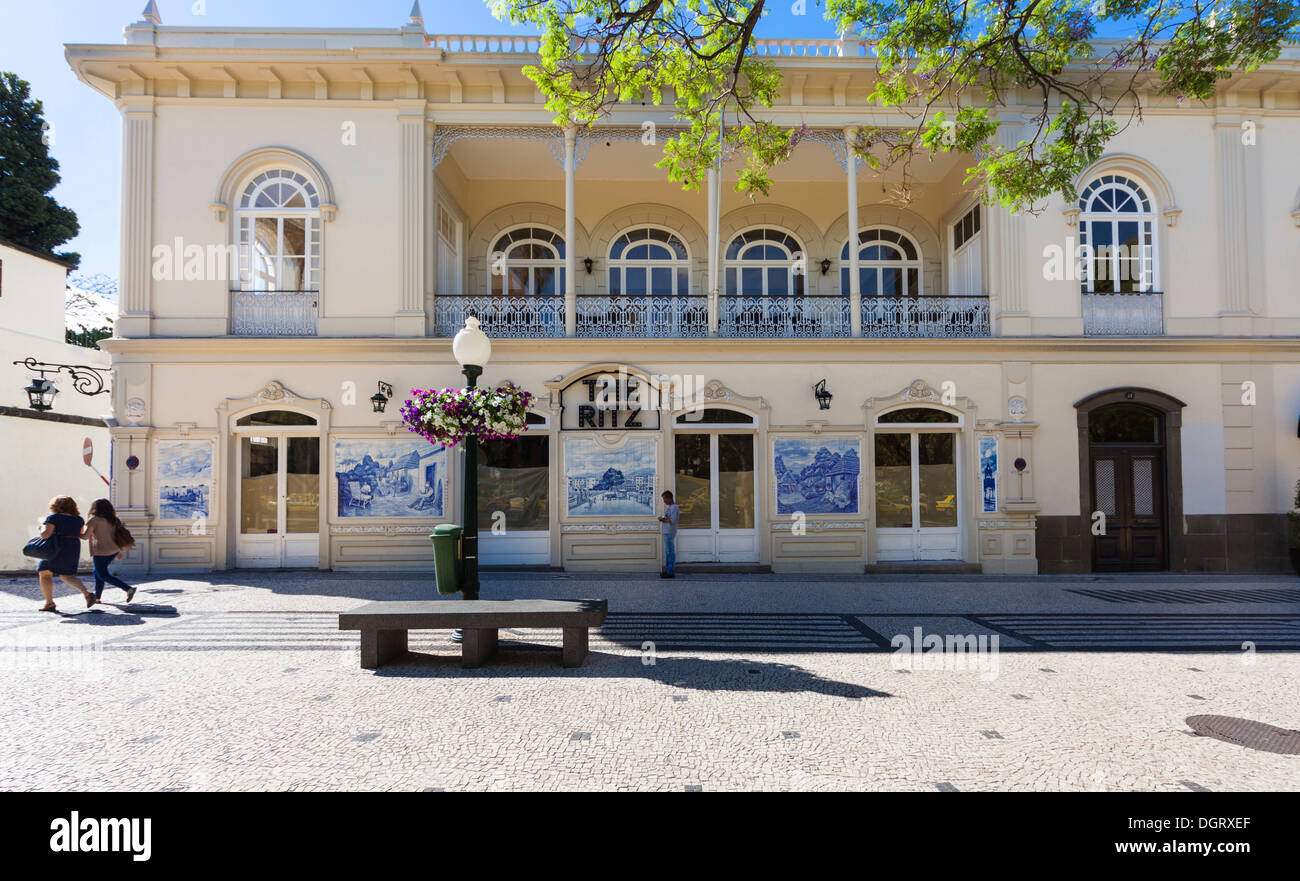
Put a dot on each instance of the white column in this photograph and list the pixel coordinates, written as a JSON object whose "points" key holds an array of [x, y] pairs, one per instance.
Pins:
{"points": [[135, 299], [570, 224], [411, 158], [855, 283], [1007, 249], [712, 280], [1241, 275], [430, 229]]}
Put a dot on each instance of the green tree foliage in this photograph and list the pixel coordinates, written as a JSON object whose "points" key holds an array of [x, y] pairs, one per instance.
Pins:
{"points": [[948, 66], [29, 216]]}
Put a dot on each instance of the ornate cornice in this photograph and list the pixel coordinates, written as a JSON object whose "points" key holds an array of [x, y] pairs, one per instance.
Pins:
{"points": [[610, 528], [386, 529]]}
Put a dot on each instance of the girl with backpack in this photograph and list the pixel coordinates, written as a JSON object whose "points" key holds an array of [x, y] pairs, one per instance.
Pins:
{"points": [[108, 540]]}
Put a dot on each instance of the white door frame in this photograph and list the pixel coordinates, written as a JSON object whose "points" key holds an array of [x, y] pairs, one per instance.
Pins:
{"points": [[525, 547], [715, 544], [927, 542], [281, 550]]}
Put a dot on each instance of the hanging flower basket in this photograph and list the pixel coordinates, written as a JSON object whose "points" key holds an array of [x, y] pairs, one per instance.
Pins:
{"points": [[447, 416]]}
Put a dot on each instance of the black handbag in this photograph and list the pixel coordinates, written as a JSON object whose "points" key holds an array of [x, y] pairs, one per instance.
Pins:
{"points": [[42, 548]]}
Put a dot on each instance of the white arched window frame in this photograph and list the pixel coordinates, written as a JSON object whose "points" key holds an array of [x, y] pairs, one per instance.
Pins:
{"points": [[649, 260], [527, 261], [889, 263], [764, 262], [279, 229], [1117, 237]]}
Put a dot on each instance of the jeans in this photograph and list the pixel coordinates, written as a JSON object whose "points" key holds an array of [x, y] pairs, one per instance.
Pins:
{"points": [[670, 553], [102, 574]]}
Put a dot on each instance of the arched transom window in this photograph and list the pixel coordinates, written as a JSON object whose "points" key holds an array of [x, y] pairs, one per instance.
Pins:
{"points": [[1116, 237], [889, 264], [528, 261], [649, 260], [279, 233], [765, 262]]}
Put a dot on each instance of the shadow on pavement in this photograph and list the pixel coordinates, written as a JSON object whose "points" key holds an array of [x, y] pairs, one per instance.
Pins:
{"points": [[127, 617], [694, 672]]}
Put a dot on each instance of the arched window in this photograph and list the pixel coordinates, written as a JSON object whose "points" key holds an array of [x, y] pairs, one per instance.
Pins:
{"points": [[528, 261], [649, 260], [889, 264], [279, 233], [1117, 236], [765, 262]]}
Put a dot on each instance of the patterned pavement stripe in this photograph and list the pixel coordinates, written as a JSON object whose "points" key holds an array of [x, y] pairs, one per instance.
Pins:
{"points": [[759, 632], [1137, 631], [1191, 595]]}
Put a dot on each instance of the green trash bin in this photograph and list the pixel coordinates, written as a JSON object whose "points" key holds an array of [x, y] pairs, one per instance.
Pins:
{"points": [[446, 556]]}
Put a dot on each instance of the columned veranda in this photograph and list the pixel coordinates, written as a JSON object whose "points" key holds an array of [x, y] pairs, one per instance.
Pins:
{"points": [[659, 284]]}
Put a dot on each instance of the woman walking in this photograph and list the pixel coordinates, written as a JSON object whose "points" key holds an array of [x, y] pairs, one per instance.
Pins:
{"points": [[66, 523], [103, 530]]}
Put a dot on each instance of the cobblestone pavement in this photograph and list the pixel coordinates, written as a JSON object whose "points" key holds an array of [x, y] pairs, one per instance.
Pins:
{"points": [[243, 681]]}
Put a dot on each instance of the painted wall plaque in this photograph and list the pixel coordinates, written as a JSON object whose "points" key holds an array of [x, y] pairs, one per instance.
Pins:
{"points": [[390, 477], [600, 482], [184, 479], [817, 475], [988, 475]]}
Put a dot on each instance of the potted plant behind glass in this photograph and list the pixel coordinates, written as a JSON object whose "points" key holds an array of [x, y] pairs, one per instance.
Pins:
{"points": [[1293, 530]]}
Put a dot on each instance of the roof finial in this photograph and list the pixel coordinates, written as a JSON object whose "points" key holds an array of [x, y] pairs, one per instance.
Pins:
{"points": [[150, 13], [417, 17]]}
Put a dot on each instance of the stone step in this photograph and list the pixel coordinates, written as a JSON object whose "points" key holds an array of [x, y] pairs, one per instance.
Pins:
{"points": [[924, 567]]}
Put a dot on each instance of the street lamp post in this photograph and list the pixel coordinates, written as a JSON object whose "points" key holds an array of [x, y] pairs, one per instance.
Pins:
{"points": [[472, 349]]}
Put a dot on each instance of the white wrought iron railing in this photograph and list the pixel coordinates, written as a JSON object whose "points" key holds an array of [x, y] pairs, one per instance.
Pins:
{"points": [[273, 313], [1123, 314], [783, 317], [935, 317], [642, 316], [504, 317], [798, 47], [739, 317]]}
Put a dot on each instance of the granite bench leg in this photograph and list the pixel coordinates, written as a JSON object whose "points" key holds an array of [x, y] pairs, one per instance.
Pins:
{"points": [[575, 646], [477, 645], [378, 647]]}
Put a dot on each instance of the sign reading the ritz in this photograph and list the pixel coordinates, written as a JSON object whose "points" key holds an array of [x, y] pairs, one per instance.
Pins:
{"points": [[610, 401]]}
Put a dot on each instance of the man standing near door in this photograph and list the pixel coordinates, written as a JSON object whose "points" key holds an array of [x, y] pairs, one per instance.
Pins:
{"points": [[672, 514]]}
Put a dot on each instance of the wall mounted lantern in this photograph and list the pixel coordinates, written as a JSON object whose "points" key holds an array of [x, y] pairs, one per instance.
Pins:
{"points": [[86, 380], [40, 394], [823, 396], [588, 262], [379, 400], [826, 265]]}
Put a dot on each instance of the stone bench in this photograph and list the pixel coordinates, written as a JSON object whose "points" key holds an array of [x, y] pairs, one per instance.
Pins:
{"points": [[384, 625]]}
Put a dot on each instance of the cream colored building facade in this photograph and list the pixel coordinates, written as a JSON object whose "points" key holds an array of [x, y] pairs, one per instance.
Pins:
{"points": [[307, 214]]}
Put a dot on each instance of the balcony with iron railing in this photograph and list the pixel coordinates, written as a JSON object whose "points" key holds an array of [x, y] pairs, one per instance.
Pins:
{"points": [[1123, 314], [738, 317], [295, 313], [274, 313]]}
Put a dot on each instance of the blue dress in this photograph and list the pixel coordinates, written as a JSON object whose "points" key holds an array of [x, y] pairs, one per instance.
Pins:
{"points": [[68, 528]]}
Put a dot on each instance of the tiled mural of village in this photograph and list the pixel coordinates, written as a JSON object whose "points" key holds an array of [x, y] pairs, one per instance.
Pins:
{"points": [[602, 482], [390, 478], [817, 476]]}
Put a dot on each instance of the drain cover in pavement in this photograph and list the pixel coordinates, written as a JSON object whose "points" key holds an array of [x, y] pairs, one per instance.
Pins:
{"points": [[1248, 733]]}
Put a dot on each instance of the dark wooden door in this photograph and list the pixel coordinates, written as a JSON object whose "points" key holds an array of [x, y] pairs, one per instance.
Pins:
{"points": [[1128, 487]]}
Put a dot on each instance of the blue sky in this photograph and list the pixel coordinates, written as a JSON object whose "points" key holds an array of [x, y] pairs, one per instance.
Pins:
{"points": [[87, 139], [86, 127]]}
